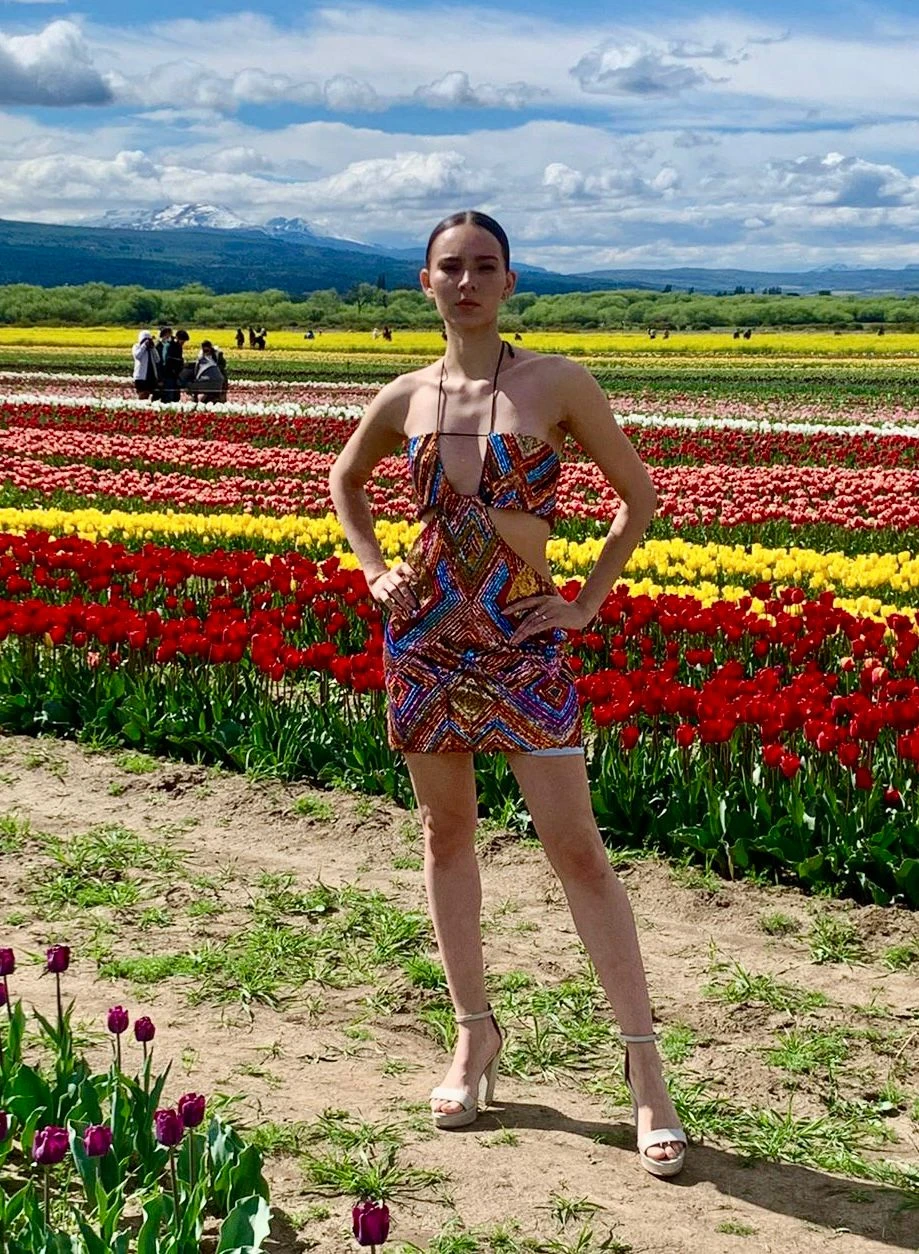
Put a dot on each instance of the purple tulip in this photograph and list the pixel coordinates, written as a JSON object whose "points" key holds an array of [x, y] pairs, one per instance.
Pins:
{"points": [[168, 1127], [7, 962], [58, 959], [370, 1223], [4, 996], [144, 1029], [191, 1109], [4, 1125], [97, 1140], [118, 1020], [50, 1145]]}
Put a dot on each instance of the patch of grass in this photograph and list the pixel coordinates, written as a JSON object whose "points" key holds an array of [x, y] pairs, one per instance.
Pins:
{"points": [[804, 1052], [308, 807], [677, 1043], [687, 875], [137, 763], [735, 1228], [16, 918], [424, 972], [93, 869], [833, 939], [408, 862], [203, 908], [148, 969], [154, 916], [504, 1137], [565, 1210], [735, 984], [35, 759], [14, 832], [339, 937], [367, 1171], [778, 924], [900, 957], [117, 788]]}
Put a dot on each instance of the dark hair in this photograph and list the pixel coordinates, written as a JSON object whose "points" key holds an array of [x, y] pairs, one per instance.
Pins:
{"points": [[471, 217], [182, 335]]}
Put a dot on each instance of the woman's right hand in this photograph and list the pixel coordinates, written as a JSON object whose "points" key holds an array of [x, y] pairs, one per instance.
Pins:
{"points": [[393, 589]]}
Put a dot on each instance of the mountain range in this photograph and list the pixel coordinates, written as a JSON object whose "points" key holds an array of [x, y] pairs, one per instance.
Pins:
{"points": [[201, 243]]}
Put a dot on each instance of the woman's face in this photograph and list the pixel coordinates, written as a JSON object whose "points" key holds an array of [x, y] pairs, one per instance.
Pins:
{"points": [[466, 276]]}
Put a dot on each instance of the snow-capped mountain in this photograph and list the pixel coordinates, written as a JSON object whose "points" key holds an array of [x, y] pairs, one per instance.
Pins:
{"points": [[173, 217], [289, 226]]}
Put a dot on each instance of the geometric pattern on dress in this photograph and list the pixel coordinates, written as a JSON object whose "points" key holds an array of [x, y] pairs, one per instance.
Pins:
{"points": [[454, 683]]}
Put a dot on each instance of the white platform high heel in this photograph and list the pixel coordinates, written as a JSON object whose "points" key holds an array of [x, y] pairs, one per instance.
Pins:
{"points": [[657, 1136], [468, 1098]]}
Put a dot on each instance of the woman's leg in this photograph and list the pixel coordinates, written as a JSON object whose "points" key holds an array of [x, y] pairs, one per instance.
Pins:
{"points": [[444, 785], [557, 794]]}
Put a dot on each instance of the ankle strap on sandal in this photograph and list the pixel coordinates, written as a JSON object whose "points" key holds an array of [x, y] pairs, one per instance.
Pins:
{"points": [[638, 1040], [484, 1014]]}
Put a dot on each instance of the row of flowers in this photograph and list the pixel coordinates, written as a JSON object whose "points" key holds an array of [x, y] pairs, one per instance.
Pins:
{"points": [[290, 614], [722, 496], [712, 571], [763, 439], [773, 731]]}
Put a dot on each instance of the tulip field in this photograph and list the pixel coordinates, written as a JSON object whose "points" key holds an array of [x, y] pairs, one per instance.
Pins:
{"points": [[173, 580]]}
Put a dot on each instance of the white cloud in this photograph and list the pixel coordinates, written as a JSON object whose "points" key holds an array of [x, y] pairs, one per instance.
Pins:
{"points": [[635, 70], [54, 67], [239, 159], [345, 94], [454, 90], [834, 179]]}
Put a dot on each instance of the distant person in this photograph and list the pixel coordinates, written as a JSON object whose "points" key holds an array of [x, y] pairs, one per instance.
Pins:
{"points": [[387, 334], [251, 337], [260, 343], [736, 335], [517, 337], [309, 335], [652, 334], [147, 368], [375, 333], [173, 361], [210, 380], [747, 334], [666, 335], [240, 338]]}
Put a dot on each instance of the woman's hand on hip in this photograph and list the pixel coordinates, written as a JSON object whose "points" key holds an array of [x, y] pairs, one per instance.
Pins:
{"points": [[549, 612], [393, 589]]}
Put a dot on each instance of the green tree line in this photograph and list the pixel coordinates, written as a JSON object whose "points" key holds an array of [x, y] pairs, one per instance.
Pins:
{"points": [[367, 305]]}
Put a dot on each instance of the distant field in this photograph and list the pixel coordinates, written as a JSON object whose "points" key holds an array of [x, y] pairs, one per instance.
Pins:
{"points": [[291, 344]]}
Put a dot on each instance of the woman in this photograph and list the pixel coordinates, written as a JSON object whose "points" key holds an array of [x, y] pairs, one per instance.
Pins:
{"points": [[147, 367], [473, 653]]}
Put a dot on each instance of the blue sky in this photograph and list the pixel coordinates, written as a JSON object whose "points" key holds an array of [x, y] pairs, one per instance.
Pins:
{"points": [[602, 134]]}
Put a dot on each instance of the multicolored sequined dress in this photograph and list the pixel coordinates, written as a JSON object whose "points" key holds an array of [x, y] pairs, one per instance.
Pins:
{"points": [[455, 683]]}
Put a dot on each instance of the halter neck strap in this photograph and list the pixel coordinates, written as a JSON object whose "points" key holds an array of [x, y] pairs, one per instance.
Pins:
{"points": [[442, 397]]}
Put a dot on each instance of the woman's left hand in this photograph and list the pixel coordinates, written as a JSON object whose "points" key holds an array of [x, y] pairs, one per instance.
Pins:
{"points": [[547, 613]]}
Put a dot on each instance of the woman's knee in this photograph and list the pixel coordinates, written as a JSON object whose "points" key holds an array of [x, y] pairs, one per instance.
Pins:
{"points": [[448, 833], [577, 853]]}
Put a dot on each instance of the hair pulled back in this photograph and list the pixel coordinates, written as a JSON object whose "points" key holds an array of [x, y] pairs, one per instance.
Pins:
{"points": [[472, 217]]}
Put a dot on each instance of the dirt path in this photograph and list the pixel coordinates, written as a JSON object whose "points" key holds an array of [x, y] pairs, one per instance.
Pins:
{"points": [[325, 1048]]}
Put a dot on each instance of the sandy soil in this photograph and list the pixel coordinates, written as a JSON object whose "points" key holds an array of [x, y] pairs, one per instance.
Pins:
{"points": [[295, 1062]]}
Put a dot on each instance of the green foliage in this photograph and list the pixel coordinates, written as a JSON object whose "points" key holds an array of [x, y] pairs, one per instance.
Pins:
{"points": [[360, 306]]}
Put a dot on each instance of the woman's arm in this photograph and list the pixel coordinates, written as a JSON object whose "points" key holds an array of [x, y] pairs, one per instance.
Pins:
{"points": [[587, 417], [379, 433], [592, 425]]}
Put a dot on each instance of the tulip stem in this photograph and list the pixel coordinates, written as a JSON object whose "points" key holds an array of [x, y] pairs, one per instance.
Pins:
{"points": [[9, 1008], [175, 1183], [47, 1197], [60, 1005]]}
